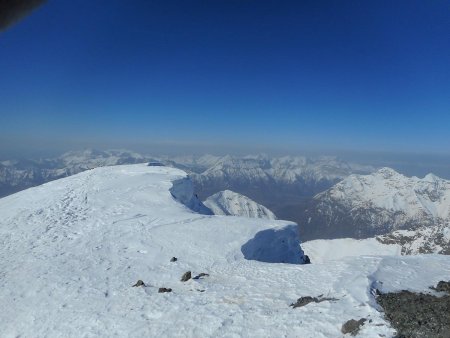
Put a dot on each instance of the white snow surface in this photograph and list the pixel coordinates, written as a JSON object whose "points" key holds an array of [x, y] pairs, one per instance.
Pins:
{"points": [[71, 249], [321, 250], [228, 202]]}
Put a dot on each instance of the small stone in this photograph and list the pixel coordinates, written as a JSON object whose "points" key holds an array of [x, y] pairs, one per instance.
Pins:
{"points": [[139, 283], [306, 259], [163, 290], [302, 301], [173, 259], [443, 286], [353, 326], [201, 275], [186, 276]]}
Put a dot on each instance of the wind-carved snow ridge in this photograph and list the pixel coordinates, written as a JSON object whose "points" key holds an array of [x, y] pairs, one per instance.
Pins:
{"points": [[183, 191]]}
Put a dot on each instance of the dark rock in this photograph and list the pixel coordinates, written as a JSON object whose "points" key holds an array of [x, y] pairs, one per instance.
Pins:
{"points": [[302, 301], [306, 259], [162, 290], [186, 276], [201, 275], [417, 314], [443, 287], [139, 283], [155, 164], [353, 326], [173, 259]]}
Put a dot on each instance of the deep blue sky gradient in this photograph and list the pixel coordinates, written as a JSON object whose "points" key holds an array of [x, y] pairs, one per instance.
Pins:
{"points": [[361, 75]]}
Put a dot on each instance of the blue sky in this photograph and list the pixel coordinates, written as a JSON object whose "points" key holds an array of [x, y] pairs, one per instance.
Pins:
{"points": [[355, 75]]}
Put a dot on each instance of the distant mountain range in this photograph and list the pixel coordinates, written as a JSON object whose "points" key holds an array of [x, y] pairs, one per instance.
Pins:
{"points": [[272, 181], [16, 175]]}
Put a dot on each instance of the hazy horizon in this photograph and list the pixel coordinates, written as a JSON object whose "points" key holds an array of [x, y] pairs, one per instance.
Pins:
{"points": [[350, 76], [410, 164]]}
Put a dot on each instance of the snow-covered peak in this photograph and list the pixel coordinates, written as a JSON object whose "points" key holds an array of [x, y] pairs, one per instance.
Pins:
{"points": [[387, 173], [392, 191], [228, 202], [431, 178]]}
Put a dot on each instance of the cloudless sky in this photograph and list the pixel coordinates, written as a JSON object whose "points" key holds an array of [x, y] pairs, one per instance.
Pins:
{"points": [[314, 74]]}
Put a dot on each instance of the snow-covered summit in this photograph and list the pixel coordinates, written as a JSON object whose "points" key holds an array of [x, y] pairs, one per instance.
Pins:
{"points": [[228, 202], [71, 249]]}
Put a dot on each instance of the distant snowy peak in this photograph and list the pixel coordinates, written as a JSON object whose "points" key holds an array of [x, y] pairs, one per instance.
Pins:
{"points": [[363, 206], [228, 202], [390, 190]]}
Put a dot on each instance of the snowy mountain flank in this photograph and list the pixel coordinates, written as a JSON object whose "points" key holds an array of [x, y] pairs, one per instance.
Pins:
{"points": [[72, 250], [362, 206], [427, 239], [231, 203]]}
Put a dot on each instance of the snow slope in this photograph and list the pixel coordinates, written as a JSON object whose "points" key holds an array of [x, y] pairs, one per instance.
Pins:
{"points": [[321, 250], [71, 249], [228, 202], [425, 240]]}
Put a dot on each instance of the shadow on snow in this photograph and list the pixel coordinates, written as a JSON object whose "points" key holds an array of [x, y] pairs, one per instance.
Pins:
{"points": [[278, 245]]}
